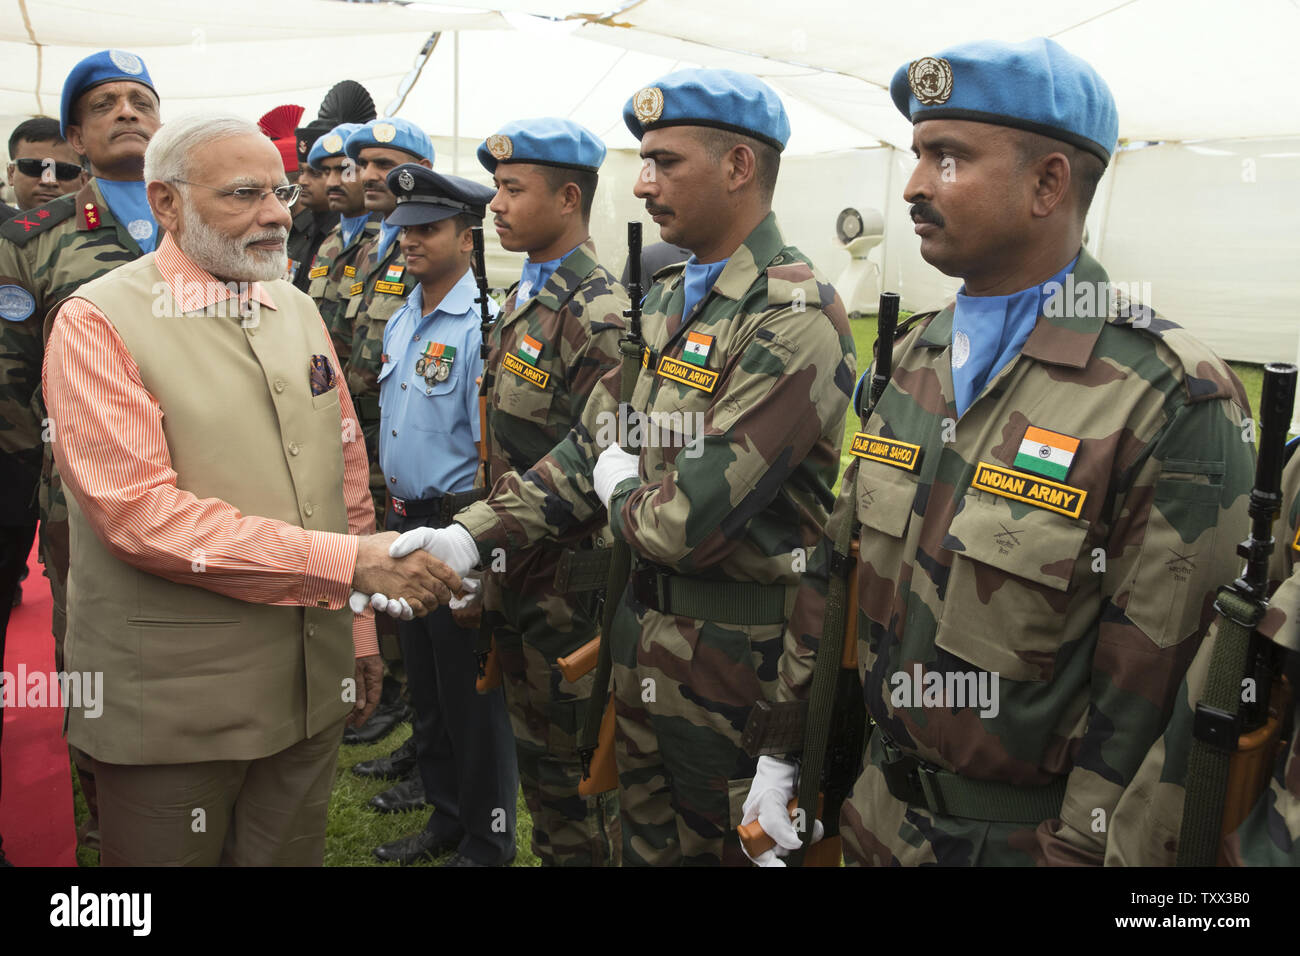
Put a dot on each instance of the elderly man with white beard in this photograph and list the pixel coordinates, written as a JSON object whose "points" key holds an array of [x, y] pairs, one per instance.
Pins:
{"points": [[220, 516]]}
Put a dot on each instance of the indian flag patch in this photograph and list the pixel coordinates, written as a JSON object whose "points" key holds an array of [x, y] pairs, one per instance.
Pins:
{"points": [[530, 349], [394, 273], [1045, 453], [696, 350]]}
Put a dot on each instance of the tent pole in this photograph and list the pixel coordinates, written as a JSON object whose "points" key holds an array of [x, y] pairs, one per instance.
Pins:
{"points": [[455, 102]]}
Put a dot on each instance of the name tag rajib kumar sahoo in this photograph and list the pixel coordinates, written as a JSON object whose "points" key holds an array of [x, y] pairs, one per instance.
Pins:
{"points": [[900, 454]]}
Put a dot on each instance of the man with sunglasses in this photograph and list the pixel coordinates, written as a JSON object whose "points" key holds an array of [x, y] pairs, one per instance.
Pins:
{"points": [[42, 166], [108, 113]]}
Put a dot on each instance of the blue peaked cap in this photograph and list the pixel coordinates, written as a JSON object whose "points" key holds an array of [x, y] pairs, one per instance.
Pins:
{"points": [[390, 133], [1036, 85], [332, 143], [546, 141], [723, 99], [106, 66]]}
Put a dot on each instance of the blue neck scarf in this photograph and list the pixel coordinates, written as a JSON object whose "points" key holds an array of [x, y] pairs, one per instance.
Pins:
{"points": [[988, 332], [536, 275], [700, 277], [387, 234], [349, 226], [130, 206]]}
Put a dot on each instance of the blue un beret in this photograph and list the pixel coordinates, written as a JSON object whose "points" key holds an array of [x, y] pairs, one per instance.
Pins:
{"points": [[332, 143], [1036, 86], [425, 196], [723, 99], [390, 133], [106, 66], [547, 141]]}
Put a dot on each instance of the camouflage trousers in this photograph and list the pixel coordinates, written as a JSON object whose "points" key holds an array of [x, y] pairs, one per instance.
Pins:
{"points": [[533, 626], [878, 829], [683, 690], [55, 557]]}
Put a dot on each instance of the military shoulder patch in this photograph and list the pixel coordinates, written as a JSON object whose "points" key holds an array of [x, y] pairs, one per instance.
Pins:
{"points": [[16, 303], [29, 224]]}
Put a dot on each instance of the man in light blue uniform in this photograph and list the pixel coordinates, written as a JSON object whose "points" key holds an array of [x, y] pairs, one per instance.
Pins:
{"points": [[429, 424]]}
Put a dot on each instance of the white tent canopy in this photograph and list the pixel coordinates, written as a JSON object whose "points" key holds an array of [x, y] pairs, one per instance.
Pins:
{"points": [[1207, 219]]}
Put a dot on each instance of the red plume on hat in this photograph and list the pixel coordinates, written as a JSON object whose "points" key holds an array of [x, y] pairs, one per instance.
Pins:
{"points": [[279, 124]]}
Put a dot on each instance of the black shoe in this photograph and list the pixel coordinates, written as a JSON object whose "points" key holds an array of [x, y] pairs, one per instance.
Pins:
{"points": [[418, 846], [397, 765], [407, 795], [458, 859], [380, 724]]}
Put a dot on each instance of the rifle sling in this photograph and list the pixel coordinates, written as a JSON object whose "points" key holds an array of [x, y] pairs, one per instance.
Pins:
{"points": [[1215, 732], [620, 570], [821, 696]]}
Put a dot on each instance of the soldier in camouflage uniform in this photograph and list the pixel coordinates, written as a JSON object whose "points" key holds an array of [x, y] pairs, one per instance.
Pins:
{"points": [[1149, 817], [747, 373], [109, 111], [334, 268], [381, 284], [569, 309], [1047, 497]]}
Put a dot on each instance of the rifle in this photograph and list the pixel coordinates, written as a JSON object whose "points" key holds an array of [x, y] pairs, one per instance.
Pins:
{"points": [[833, 728], [1235, 741], [596, 741], [489, 668]]}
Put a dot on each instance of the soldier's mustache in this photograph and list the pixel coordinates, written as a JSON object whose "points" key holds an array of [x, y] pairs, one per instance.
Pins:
{"points": [[924, 212], [654, 210]]}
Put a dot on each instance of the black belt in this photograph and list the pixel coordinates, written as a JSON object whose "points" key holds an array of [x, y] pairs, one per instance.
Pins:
{"points": [[950, 794], [443, 507], [719, 602]]}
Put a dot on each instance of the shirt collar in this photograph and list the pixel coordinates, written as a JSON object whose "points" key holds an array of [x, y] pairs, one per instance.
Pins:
{"points": [[194, 289], [458, 301], [759, 250]]}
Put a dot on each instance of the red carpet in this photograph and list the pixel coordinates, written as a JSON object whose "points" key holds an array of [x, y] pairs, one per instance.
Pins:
{"points": [[36, 801]]}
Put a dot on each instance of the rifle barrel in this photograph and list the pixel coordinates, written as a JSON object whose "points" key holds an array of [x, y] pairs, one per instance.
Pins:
{"points": [[886, 325]]}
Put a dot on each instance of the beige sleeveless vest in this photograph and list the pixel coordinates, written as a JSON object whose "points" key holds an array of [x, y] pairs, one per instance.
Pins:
{"points": [[188, 674]]}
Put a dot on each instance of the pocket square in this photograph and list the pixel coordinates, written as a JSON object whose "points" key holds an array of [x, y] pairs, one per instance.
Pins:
{"points": [[321, 375]]}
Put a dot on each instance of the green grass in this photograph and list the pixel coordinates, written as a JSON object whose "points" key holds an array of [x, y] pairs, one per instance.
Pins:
{"points": [[353, 829], [864, 335]]}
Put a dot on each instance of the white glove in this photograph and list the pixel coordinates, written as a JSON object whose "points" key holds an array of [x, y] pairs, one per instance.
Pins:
{"points": [[613, 467], [453, 546], [358, 601], [470, 584], [393, 607], [769, 796]]}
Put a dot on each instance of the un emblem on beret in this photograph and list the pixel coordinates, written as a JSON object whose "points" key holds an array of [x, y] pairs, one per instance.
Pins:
{"points": [[648, 104], [333, 143], [930, 79], [384, 132], [406, 180], [500, 146], [126, 62]]}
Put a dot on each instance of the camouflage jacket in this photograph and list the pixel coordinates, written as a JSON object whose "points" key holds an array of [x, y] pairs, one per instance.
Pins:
{"points": [[1084, 596], [738, 453], [333, 273], [576, 320], [46, 252], [1149, 818], [379, 290]]}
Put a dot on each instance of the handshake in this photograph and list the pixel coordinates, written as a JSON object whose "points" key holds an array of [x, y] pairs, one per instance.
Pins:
{"points": [[411, 574]]}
